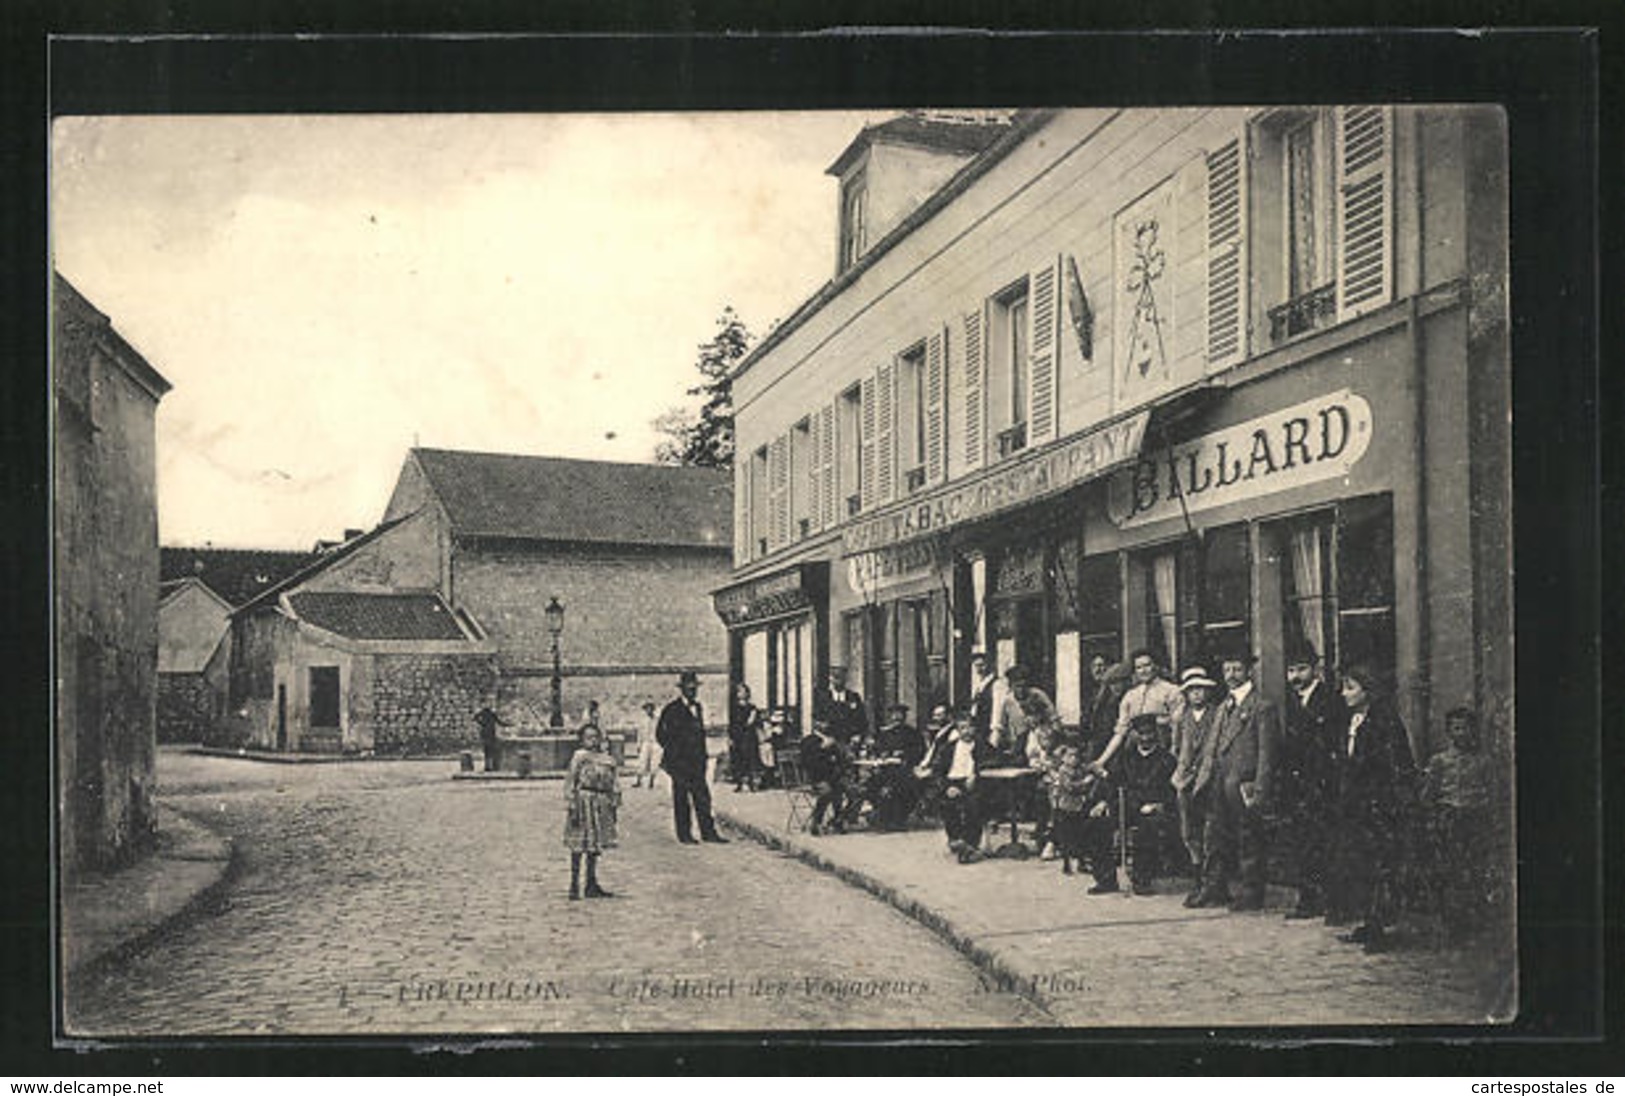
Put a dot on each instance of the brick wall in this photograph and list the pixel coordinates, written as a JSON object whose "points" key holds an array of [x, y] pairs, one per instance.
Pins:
{"points": [[623, 608], [423, 704]]}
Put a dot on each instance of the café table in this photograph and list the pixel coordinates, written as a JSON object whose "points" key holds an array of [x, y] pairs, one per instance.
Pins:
{"points": [[1009, 787]]}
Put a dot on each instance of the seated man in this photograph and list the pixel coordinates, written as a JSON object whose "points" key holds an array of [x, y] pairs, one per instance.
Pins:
{"points": [[1143, 774], [954, 765], [825, 762], [891, 785]]}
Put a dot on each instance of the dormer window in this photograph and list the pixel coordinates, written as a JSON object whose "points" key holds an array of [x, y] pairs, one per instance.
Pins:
{"points": [[854, 218]]}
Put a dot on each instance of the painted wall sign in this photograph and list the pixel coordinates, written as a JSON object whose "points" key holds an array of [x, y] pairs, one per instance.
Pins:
{"points": [[760, 598], [1044, 472], [1315, 440], [870, 572]]}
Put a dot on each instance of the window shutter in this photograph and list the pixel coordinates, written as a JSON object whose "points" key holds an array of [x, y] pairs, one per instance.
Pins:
{"points": [[1365, 199], [826, 467], [1227, 253], [936, 376], [811, 487], [778, 486], [1043, 351], [742, 523], [886, 432], [975, 404], [866, 444]]}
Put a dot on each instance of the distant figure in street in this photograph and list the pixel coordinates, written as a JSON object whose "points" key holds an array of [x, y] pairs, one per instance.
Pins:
{"points": [[648, 748], [1244, 759], [591, 718], [592, 795], [1029, 746], [1194, 740], [1376, 785], [1457, 806], [982, 686], [1108, 682], [681, 734], [1141, 784], [1149, 694], [1314, 731], [955, 766], [841, 709], [744, 721], [826, 760], [488, 721]]}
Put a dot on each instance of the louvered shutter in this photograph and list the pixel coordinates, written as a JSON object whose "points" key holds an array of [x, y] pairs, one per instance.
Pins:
{"points": [[1365, 199], [812, 479], [778, 486], [1043, 351], [885, 432], [936, 384], [866, 444], [975, 403], [831, 506], [1227, 254], [742, 524]]}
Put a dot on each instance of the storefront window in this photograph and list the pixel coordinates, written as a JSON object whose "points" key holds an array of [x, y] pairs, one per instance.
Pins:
{"points": [[1365, 582], [1198, 597], [1100, 608]]}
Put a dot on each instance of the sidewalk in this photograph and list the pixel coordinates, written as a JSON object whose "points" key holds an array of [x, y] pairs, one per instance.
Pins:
{"points": [[105, 914], [1113, 960]]}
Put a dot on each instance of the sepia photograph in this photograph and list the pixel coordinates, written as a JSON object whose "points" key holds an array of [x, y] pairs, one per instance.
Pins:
{"points": [[919, 569]]}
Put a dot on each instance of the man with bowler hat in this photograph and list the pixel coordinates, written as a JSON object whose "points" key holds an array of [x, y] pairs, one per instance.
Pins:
{"points": [[1244, 753], [1314, 735], [681, 734]]}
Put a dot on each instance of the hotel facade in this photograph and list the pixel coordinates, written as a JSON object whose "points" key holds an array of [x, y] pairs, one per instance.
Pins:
{"points": [[1091, 380]]}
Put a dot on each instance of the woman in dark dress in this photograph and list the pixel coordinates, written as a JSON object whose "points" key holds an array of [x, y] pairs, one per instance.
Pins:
{"points": [[1376, 788], [744, 721]]}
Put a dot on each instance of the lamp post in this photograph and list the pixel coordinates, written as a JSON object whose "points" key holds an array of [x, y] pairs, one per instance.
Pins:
{"points": [[555, 624]]}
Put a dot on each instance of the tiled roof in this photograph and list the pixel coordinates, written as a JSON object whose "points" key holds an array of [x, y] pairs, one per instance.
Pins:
{"points": [[554, 499], [236, 574], [318, 562], [378, 616]]}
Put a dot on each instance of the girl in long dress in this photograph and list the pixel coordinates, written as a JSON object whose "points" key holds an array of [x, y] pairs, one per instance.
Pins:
{"points": [[592, 796]]}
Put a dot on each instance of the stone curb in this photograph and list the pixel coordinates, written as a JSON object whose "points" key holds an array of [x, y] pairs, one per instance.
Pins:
{"points": [[195, 843], [275, 758], [989, 962]]}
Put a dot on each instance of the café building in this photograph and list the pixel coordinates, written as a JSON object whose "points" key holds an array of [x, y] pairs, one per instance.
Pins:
{"points": [[1184, 379]]}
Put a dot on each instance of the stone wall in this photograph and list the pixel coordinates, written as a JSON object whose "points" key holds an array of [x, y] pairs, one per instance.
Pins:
{"points": [[187, 707], [425, 704]]}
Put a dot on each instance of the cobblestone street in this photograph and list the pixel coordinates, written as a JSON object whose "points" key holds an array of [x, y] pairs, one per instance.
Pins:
{"points": [[384, 898]]}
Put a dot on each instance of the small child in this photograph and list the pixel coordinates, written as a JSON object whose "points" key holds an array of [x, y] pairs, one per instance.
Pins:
{"points": [[1456, 799], [1069, 781]]}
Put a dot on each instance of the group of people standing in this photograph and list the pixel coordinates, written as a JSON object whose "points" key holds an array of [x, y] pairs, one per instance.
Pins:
{"points": [[1209, 772]]}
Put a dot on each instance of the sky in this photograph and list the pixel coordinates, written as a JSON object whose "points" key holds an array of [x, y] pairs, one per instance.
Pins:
{"points": [[324, 292]]}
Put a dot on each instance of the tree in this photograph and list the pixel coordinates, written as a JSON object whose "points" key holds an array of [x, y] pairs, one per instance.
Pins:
{"points": [[708, 441]]}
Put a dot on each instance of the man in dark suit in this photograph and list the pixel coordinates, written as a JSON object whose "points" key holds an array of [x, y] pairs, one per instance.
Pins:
{"points": [[681, 734], [1314, 734], [956, 760], [1249, 735], [841, 709]]}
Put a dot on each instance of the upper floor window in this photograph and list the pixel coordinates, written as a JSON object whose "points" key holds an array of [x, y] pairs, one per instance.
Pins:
{"points": [[1008, 364], [1296, 237], [761, 515], [802, 460], [849, 471], [854, 217], [911, 416]]}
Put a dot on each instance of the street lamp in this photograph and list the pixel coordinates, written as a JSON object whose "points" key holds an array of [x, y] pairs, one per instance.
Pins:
{"points": [[555, 624]]}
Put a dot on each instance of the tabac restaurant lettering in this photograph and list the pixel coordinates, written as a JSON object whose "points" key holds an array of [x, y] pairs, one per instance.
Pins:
{"points": [[1044, 473], [762, 598], [1315, 440], [873, 571]]}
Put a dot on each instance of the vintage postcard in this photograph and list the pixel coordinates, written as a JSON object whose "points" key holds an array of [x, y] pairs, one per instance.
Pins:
{"points": [[919, 569]]}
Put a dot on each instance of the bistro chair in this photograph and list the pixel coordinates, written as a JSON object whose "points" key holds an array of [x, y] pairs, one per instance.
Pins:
{"points": [[799, 792]]}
